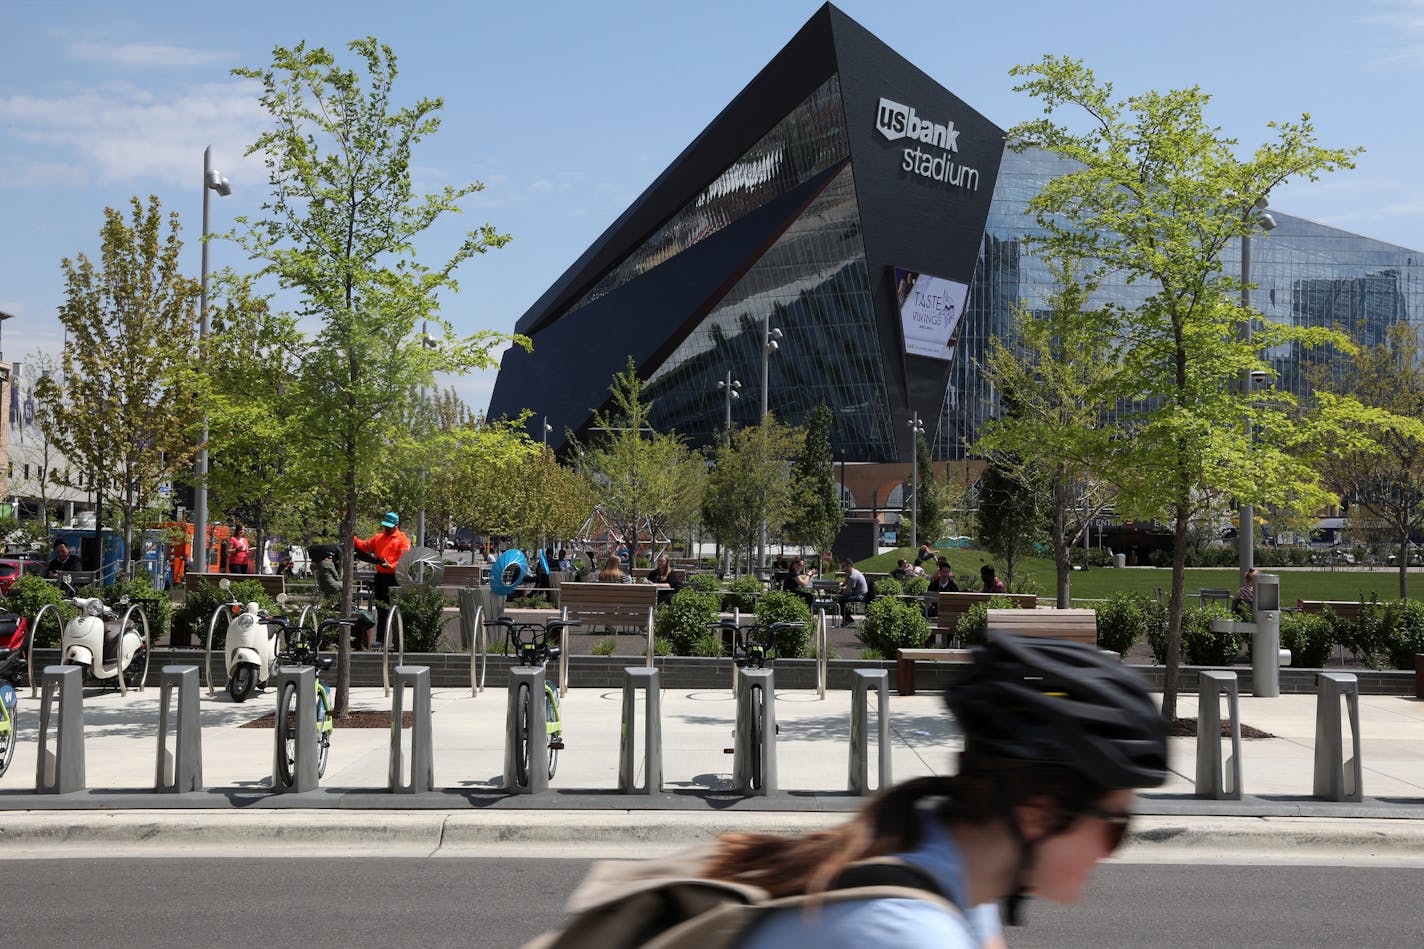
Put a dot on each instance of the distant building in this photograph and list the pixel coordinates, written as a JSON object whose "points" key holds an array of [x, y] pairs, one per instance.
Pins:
{"points": [[32, 461]]}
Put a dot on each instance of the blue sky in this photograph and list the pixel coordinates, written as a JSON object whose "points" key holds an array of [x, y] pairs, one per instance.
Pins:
{"points": [[566, 111]]}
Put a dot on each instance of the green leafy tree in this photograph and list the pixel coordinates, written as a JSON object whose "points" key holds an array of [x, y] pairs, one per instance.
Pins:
{"points": [[1386, 483], [1012, 513], [643, 480], [930, 504], [818, 514], [1155, 195], [488, 458], [339, 229], [132, 394], [1056, 371], [750, 482]]}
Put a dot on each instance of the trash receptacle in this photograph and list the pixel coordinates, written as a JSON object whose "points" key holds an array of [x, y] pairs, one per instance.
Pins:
{"points": [[1119, 560]]}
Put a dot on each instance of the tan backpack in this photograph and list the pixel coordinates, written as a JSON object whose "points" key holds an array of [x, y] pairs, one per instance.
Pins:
{"points": [[668, 904]]}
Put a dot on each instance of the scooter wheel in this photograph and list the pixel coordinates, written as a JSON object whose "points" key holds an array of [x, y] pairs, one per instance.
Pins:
{"points": [[242, 681]]}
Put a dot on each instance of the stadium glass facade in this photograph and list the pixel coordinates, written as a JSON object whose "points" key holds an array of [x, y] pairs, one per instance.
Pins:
{"points": [[787, 213]]}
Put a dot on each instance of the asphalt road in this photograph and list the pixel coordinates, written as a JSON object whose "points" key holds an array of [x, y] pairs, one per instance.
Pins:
{"points": [[501, 902]]}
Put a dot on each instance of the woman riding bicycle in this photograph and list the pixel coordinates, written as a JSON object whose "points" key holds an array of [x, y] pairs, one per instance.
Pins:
{"points": [[1057, 736]]}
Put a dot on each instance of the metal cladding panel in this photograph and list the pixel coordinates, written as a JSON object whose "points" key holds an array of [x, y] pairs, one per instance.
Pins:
{"points": [[568, 374], [801, 66], [928, 217]]}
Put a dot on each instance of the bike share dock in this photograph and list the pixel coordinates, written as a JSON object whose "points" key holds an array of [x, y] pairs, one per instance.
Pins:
{"points": [[813, 754]]}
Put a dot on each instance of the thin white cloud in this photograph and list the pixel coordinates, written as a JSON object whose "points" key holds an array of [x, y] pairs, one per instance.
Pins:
{"points": [[122, 133], [1400, 26], [146, 54]]}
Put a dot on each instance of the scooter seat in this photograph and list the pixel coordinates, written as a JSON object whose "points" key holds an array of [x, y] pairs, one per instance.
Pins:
{"points": [[111, 645], [9, 622], [325, 662]]}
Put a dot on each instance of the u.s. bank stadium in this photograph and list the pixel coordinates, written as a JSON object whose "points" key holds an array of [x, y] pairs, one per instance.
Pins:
{"points": [[851, 203]]}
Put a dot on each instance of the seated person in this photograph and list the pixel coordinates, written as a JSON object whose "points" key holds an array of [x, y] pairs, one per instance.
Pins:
{"points": [[798, 581], [63, 562], [564, 563], [612, 571], [854, 589], [925, 554], [943, 579], [992, 584], [666, 577], [901, 571]]}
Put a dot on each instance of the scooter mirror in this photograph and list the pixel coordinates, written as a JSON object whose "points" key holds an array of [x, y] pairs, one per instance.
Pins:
{"points": [[224, 583], [281, 599]]}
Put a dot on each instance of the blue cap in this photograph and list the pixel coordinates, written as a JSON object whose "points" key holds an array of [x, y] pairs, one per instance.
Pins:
{"points": [[391, 519]]}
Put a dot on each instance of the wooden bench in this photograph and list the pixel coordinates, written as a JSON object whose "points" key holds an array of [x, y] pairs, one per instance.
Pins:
{"points": [[1348, 610], [272, 583], [905, 661], [1081, 626], [459, 576], [609, 604], [952, 606]]}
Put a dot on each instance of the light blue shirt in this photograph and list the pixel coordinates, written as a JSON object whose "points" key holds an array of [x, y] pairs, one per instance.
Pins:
{"points": [[904, 924]]}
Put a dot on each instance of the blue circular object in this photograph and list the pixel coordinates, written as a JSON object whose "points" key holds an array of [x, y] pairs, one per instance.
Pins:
{"points": [[510, 563]]}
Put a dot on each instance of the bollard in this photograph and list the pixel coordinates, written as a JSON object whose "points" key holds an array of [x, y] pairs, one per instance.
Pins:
{"points": [[179, 768], [304, 776], [1266, 652], [1217, 779], [635, 678], [59, 767], [861, 683], [526, 695], [1337, 778], [421, 756], [754, 751], [1419, 675]]}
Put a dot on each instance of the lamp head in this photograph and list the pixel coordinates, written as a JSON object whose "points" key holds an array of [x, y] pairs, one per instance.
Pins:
{"points": [[219, 184], [1267, 222]]}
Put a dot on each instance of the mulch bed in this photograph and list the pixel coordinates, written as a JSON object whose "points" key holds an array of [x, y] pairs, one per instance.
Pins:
{"points": [[352, 720], [1187, 728]]}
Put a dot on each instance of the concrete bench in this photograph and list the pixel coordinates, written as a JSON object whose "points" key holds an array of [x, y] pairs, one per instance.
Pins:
{"points": [[609, 604], [1078, 625], [272, 583], [905, 661], [952, 606]]}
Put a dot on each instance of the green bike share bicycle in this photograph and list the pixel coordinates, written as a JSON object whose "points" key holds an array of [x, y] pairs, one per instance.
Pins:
{"points": [[529, 644], [304, 649]]}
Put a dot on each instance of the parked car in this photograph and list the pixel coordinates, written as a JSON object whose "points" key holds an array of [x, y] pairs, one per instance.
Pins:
{"points": [[12, 568]]}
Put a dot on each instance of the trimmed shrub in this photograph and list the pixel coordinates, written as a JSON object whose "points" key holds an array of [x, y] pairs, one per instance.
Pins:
{"points": [[704, 583], [1309, 637], [783, 607], [709, 647], [200, 603], [157, 606], [1122, 623], [742, 594], [973, 625], [29, 595], [888, 586], [682, 620], [606, 647], [1402, 632], [917, 586], [891, 625], [1201, 646], [423, 616]]}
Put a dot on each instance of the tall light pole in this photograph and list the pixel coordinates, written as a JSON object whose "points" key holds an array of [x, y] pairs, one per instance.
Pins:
{"points": [[769, 345], [212, 181], [427, 342], [1256, 216], [731, 388], [916, 430], [546, 430]]}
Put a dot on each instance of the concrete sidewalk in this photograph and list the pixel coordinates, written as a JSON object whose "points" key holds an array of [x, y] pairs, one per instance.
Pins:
{"points": [[697, 726]]}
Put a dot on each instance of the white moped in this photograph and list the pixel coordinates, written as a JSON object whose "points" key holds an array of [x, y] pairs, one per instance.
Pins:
{"points": [[108, 648], [251, 645]]}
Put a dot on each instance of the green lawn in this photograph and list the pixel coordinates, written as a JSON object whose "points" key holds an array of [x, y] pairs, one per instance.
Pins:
{"points": [[1101, 582]]}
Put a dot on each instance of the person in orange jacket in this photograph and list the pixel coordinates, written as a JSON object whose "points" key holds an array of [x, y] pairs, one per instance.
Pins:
{"points": [[387, 547]]}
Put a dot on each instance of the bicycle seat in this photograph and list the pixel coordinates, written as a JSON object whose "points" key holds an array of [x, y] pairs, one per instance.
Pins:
{"points": [[325, 662], [552, 653]]}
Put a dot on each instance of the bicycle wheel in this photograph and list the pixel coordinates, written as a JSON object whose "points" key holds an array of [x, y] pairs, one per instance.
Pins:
{"points": [[287, 735], [9, 725], [323, 731], [553, 727], [521, 737], [757, 735]]}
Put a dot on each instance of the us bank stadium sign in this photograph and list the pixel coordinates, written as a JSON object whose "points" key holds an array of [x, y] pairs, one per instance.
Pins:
{"points": [[936, 145]]}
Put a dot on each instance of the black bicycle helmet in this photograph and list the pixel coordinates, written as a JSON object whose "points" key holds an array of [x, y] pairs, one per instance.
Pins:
{"points": [[1062, 702]]}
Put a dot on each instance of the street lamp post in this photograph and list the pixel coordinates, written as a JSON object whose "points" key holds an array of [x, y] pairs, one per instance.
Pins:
{"points": [[916, 430], [769, 345], [546, 430], [730, 389], [212, 181], [427, 342], [1246, 514]]}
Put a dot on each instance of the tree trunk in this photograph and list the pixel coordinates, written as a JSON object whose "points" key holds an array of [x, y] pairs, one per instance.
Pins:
{"points": [[1174, 612], [1060, 541], [348, 580], [1403, 560]]}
